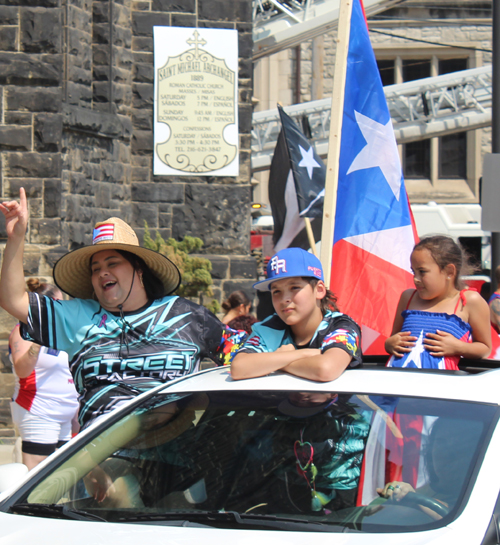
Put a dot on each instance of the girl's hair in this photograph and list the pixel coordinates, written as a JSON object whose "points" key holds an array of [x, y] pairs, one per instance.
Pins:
{"points": [[236, 299], [243, 323], [42, 288], [445, 251], [152, 284], [329, 301]]}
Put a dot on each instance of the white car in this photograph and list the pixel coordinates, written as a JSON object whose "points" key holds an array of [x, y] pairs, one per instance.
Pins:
{"points": [[276, 460]]}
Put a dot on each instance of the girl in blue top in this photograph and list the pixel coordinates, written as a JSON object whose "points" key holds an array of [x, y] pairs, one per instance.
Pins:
{"points": [[439, 321]]}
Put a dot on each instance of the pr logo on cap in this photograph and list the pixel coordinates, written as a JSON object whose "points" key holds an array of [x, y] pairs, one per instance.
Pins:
{"points": [[278, 265]]}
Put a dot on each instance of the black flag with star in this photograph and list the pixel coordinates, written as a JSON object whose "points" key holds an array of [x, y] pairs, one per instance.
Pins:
{"points": [[296, 186]]}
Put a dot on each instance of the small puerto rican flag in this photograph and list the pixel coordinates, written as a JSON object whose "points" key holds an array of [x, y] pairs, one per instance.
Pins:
{"points": [[106, 231]]}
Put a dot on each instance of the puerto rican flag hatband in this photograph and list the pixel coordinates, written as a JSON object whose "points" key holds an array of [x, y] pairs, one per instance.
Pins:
{"points": [[105, 231]]}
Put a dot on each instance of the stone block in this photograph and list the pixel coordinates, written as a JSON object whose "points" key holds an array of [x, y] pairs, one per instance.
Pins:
{"points": [[165, 216], [142, 58], [103, 196], [233, 285], [8, 38], [243, 267], [100, 33], [32, 165], [32, 186], [141, 6], [40, 30], [220, 266], [122, 37], [143, 73], [7, 323], [216, 10], [48, 132], [100, 55], [15, 138], [142, 44], [144, 192], [7, 382], [216, 213], [100, 92], [245, 118], [186, 6], [9, 15], [143, 96], [80, 47], [243, 12], [143, 120], [140, 174], [53, 255], [245, 45], [78, 17], [31, 262], [78, 95], [100, 12], [245, 68], [142, 142], [5, 415], [214, 24], [170, 192], [52, 198], [80, 76], [143, 22], [32, 99], [142, 212], [45, 231], [184, 20], [18, 118]]}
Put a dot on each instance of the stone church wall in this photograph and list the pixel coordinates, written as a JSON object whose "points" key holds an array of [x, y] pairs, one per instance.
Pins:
{"points": [[76, 119]]}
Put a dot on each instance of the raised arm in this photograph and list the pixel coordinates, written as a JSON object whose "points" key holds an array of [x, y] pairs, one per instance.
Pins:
{"points": [[13, 295]]}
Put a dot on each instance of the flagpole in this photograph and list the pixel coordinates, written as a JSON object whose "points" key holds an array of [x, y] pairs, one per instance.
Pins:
{"points": [[332, 167], [310, 236]]}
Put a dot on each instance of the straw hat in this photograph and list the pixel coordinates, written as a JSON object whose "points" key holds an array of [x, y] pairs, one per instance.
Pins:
{"points": [[72, 271]]}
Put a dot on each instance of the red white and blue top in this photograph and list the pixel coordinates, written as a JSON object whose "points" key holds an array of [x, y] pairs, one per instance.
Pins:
{"points": [[49, 391], [419, 323]]}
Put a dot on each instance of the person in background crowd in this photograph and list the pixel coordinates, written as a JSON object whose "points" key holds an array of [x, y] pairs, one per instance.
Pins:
{"points": [[237, 304], [244, 323], [307, 336], [123, 331], [439, 321], [45, 403]]}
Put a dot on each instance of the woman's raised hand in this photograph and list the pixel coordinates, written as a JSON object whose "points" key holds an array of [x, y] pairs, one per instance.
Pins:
{"points": [[16, 215]]}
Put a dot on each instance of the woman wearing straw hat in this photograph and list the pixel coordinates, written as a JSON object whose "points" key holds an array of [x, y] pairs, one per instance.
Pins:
{"points": [[123, 332]]}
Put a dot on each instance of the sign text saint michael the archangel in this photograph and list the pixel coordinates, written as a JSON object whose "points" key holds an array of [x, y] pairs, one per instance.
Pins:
{"points": [[196, 102]]}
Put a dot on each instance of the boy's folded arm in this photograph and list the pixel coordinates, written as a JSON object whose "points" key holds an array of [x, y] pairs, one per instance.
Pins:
{"points": [[323, 367], [259, 364]]}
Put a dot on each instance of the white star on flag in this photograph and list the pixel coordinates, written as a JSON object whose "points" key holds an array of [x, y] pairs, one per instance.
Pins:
{"points": [[381, 151], [308, 160]]}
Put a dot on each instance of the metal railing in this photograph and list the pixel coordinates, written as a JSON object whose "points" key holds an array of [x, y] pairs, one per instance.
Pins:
{"points": [[420, 109], [280, 24]]}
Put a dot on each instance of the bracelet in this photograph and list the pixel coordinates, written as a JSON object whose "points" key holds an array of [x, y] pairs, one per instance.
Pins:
{"points": [[34, 353]]}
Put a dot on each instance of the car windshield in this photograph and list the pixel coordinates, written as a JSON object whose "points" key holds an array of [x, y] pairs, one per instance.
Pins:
{"points": [[308, 461]]}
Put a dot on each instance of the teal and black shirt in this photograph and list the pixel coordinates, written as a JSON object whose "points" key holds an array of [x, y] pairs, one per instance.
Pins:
{"points": [[115, 357]]}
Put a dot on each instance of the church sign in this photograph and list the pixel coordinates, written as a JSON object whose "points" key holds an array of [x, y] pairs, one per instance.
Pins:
{"points": [[196, 102]]}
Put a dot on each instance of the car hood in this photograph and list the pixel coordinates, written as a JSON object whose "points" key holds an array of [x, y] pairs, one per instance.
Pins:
{"points": [[15, 529]]}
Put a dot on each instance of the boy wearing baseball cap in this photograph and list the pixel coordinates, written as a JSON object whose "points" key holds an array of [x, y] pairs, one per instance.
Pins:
{"points": [[307, 336]]}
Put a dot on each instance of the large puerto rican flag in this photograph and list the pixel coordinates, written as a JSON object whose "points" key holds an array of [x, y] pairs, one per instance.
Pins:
{"points": [[374, 228]]}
